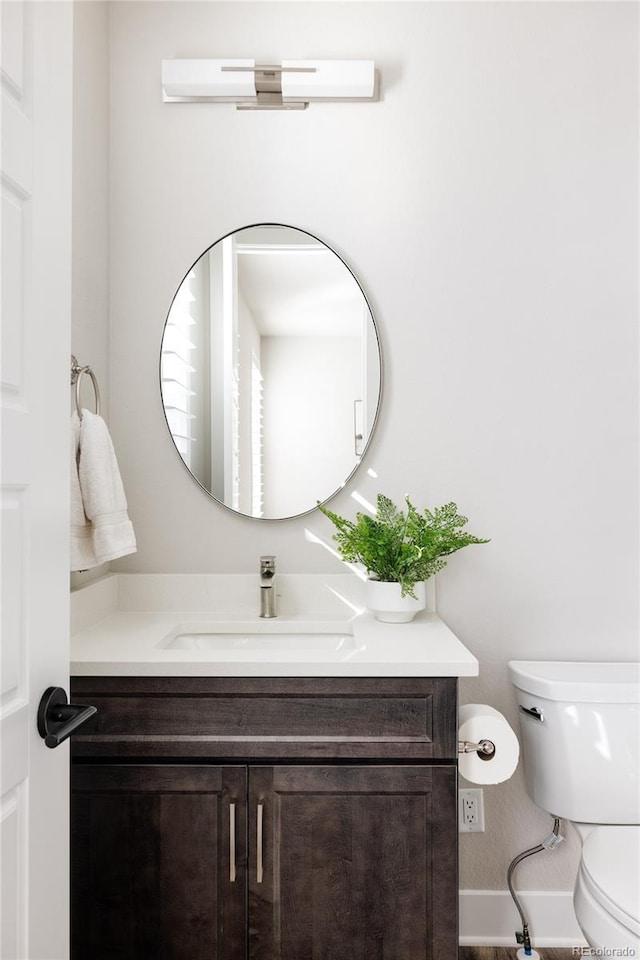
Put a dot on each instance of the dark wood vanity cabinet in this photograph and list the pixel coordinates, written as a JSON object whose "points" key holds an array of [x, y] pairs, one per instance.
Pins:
{"points": [[267, 819], [148, 862], [352, 862]]}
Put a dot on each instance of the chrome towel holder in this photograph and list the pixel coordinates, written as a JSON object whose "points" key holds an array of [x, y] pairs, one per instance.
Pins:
{"points": [[77, 373]]}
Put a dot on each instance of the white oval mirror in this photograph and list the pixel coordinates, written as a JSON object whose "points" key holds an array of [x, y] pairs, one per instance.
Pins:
{"points": [[270, 371]]}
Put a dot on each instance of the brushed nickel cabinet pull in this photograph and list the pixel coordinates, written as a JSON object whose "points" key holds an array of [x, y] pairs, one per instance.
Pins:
{"points": [[232, 842], [259, 865]]}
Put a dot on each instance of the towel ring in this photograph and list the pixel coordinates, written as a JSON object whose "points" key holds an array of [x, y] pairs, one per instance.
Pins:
{"points": [[77, 373]]}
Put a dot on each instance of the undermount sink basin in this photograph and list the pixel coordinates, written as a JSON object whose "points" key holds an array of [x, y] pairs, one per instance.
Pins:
{"points": [[293, 642]]}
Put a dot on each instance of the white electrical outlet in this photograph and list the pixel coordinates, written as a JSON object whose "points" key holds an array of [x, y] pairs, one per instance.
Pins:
{"points": [[470, 811]]}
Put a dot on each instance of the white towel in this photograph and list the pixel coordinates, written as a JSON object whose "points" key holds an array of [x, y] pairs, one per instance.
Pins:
{"points": [[102, 497], [82, 552]]}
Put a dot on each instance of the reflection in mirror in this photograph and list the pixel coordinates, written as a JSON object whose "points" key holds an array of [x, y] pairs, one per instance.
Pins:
{"points": [[270, 371]]}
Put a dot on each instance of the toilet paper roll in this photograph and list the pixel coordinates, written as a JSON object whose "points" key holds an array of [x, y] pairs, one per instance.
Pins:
{"points": [[479, 721]]}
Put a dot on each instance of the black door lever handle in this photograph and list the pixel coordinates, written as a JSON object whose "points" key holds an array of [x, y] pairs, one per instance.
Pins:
{"points": [[58, 719]]}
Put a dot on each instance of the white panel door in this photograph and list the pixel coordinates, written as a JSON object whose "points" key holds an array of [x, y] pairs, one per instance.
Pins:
{"points": [[35, 238]]}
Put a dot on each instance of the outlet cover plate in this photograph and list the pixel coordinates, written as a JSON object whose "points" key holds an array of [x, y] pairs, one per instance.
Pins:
{"points": [[471, 811]]}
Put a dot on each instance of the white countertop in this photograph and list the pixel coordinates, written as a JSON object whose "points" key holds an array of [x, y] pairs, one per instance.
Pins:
{"points": [[112, 641]]}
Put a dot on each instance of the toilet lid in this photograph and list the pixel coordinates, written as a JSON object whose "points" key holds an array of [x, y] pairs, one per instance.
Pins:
{"points": [[611, 862]]}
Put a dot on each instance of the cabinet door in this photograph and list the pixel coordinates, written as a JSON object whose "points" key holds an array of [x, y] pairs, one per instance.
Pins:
{"points": [[356, 862], [153, 851]]}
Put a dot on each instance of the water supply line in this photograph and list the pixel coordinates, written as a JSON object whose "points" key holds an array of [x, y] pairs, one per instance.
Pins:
{"points": [[549, 843]]}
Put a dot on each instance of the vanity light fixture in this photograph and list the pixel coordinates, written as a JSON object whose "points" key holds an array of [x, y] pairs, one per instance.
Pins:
{"points": [[290, 85]]}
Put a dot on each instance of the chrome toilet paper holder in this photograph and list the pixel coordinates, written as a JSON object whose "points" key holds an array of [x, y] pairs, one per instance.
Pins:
{"points": [[485, 749]]}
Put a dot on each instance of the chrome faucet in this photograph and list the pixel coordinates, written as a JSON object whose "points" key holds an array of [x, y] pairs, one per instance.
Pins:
{"points": [[267, 588]]}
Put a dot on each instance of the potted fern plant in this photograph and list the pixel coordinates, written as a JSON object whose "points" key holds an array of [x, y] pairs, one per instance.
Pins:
{"points": [[400, 550]]}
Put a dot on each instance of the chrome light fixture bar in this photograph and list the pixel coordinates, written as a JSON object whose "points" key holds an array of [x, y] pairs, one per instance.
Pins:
{"points": [[290, 85], [268, 84]]}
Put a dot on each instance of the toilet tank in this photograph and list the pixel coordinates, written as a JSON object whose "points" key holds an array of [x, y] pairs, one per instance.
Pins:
{"points": [[580, 737]]}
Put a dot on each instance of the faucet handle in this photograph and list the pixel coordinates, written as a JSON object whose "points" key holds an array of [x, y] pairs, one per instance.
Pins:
{"points": [[267, 591]]}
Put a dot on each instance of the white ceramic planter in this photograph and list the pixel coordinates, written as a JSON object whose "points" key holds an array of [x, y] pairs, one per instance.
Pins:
{"points": [[386, 603]]}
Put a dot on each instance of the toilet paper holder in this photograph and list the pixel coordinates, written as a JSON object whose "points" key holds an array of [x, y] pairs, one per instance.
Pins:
{"points": [[485, 749]]}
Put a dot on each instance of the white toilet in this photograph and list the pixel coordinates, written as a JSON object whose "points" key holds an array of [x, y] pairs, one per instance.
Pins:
{"points": [[580, 734]]}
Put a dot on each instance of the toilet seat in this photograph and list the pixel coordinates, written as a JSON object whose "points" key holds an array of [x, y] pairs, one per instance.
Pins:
{"points": [[610, 870]]}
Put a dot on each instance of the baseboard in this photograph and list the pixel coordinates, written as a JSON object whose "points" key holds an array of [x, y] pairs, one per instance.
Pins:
{"points": [[490, 918]]}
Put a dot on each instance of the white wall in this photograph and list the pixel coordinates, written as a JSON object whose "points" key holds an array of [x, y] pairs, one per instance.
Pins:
{"points": [[488, 204], [90, 208], [90, 303], [308, 445]]}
